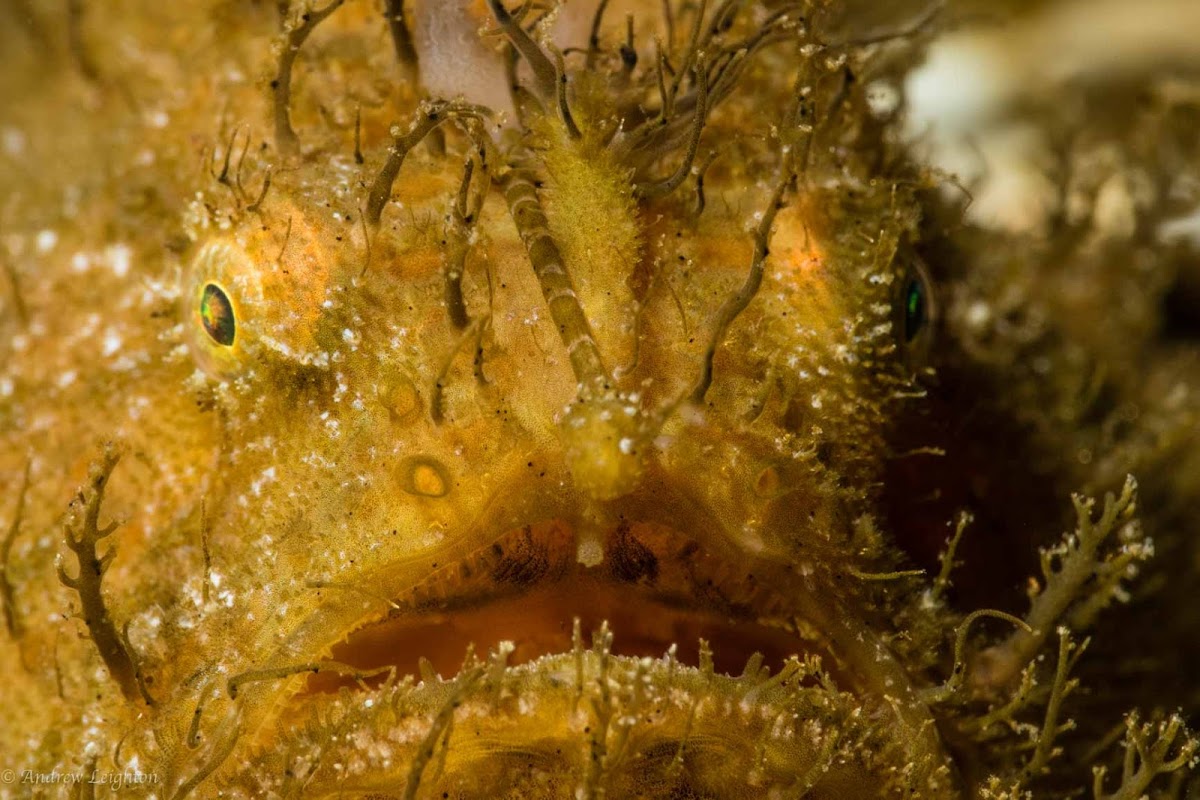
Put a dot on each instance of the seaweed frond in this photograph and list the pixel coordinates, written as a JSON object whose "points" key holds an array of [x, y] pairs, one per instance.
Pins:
{"points": [[82, 533], [946, 560], [1080, 575], [1044, 749], [460, 223], [1151, 750], [295, 34], [11, 618], [734, 306], [440, 730], [544, 74], [402, 41], [432, 116]]}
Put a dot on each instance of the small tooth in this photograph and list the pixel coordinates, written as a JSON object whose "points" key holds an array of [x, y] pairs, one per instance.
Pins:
{"points": [[602, 639], [706, 658], [469, 660], [577, 635], [425, 668], [753, 666], [499, 662], [577, 645]]}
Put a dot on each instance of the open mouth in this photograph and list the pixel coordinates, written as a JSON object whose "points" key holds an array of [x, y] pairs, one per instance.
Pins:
{"points": [[657, 590], [641, 664]]}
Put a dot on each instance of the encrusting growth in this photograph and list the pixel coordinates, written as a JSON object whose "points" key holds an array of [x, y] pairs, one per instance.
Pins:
{"points": [[82, 533]]}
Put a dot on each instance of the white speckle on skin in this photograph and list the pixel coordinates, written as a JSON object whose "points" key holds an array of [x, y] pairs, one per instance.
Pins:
{"points": [[46, 240], [119, 257], [112, 342], [883, 98], [978, 314], [14, 141]]}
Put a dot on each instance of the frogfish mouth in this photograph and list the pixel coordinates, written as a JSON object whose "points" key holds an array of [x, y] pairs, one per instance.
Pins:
{"points": [[507, 416]]}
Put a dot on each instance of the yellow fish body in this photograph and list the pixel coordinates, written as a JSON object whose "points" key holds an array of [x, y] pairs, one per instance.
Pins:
{"points": [[508, 421]]}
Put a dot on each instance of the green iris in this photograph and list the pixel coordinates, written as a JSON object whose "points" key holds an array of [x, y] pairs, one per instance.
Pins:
{"points": [[216, 312], [915, 311]]}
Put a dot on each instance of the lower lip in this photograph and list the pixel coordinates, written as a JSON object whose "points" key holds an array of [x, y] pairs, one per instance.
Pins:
{"points": [[540, 622]]}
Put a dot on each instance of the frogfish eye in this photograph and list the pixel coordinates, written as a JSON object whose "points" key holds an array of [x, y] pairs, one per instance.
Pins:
{"points": [[216, 313], [916, 311]]}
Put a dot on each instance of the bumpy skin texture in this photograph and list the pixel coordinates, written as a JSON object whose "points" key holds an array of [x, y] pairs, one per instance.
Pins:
{"points": [[641, 351]]}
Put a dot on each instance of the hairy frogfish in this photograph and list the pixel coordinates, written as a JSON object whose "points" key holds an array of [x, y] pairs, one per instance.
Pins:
{"points": [[598, 398]]}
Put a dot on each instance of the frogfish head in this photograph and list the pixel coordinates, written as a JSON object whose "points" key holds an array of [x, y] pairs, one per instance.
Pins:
{"points": [[510, 425]]}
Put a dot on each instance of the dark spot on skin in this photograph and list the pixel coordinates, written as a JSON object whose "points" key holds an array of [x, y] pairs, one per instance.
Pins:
{"points": [[524, 563], [629, 560]]}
